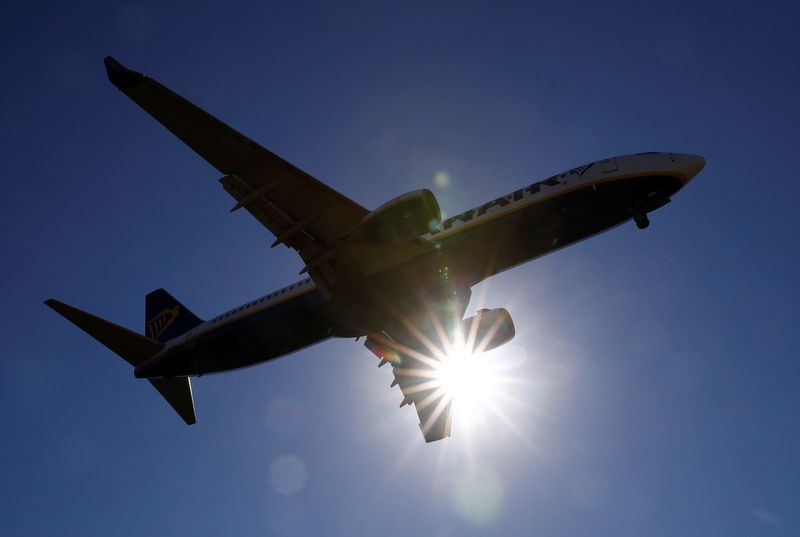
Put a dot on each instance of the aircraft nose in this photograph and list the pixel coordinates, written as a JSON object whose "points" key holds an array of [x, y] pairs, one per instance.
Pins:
{"points": [[690, 165]]}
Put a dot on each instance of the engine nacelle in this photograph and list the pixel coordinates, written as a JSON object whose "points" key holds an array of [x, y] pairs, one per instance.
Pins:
{"points": [[403, 218], [492, 328]]}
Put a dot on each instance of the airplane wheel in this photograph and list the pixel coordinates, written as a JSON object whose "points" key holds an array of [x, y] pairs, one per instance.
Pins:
{"points": [[641, 221]]}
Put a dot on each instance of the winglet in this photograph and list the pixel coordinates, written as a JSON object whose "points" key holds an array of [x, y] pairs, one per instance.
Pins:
{"points": [[119, 75]]}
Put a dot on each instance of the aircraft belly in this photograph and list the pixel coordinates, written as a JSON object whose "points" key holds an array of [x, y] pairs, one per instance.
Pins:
{"points": [[258, 345], [250, 341]]}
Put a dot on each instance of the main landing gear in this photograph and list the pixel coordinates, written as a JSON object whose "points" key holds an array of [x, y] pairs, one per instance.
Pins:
{"points": [[641, 221]]}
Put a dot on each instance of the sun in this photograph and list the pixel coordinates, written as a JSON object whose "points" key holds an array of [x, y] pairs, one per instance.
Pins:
{"points": [[458, 372], [467, 381]]}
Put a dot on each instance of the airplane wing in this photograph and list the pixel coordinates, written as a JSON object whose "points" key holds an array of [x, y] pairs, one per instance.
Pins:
{"points": [[300, 211], [417, 349], [417, 372], [422, 386]]}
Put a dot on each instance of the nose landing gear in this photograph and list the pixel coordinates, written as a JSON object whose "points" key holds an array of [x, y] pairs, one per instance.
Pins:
{"points": [[641, 221]]}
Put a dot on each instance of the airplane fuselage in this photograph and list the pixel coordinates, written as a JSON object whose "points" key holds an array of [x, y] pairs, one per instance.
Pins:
{"points": [[397, 274], [471, 246]]}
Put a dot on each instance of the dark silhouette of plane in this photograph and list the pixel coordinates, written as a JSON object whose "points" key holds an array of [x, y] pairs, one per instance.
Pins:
{"points": [[398, 275]]}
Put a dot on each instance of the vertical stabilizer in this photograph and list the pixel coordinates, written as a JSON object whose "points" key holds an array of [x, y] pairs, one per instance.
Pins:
{"points": [[165, 317]]}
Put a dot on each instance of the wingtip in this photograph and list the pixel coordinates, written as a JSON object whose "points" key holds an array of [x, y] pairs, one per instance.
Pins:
{"points": [[59, 307], [53, 304], [119, 75]]}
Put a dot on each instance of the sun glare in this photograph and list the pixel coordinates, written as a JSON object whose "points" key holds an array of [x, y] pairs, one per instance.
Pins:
{"points": [[458, 374], [458, 368], [466, 381]]}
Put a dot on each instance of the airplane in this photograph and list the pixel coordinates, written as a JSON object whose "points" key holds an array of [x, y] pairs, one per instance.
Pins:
{"points": [[398, 275]]}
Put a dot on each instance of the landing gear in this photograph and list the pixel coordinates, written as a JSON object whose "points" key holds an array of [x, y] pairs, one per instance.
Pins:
{"points": [[641, 221]]}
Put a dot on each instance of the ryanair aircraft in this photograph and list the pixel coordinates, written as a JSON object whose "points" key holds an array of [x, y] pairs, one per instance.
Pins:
{"points": [[398, 275]]}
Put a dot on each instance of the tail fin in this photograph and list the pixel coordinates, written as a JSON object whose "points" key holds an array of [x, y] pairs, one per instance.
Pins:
{"points": [[135, 349], [165, 317]]}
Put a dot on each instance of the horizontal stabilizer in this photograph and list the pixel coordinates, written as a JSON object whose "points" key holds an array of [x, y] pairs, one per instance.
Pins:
{"points": [[132, 347], [178, 393]]}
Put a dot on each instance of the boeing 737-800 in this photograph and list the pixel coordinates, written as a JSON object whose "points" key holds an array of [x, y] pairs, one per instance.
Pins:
{"points": [[398, 275]]}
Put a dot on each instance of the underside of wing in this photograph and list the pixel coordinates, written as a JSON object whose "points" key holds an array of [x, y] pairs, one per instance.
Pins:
{"points": [[418, 347], [417, 374], [421, 385], [300, 211]]}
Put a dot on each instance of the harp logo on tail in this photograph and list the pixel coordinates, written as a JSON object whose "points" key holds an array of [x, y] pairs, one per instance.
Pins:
{"points": [[162, 320]]}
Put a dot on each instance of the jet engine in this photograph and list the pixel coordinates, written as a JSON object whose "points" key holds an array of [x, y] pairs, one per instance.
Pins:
{"points": [[403, 218], [488, 329]]}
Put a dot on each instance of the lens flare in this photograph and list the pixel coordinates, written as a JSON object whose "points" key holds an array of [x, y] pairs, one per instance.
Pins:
{"points": [[288, 475], [478, 495], [441, 180]]}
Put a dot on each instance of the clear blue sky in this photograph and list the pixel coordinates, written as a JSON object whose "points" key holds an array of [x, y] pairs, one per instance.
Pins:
{"points": [[658, 370]]}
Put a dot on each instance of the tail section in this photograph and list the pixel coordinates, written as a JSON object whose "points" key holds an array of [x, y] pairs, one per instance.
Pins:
{"points": [[165, 317], [178, 393], [137, 349], [132, 347]]}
